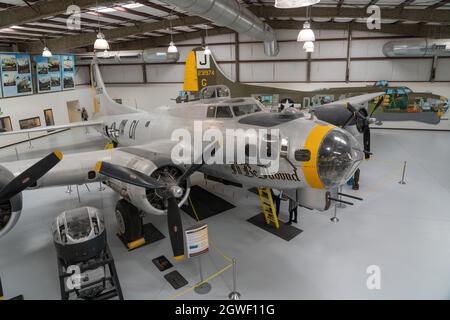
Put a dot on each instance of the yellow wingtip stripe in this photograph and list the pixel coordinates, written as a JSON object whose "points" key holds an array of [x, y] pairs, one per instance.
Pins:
{"points": [[98, 166], [178, 258], [312, 143], [58, 154]]}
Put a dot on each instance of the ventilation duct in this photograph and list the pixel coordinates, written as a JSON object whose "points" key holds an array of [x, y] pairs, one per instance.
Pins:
{"points": [[417, 48], [230, 14], [125, 57]]}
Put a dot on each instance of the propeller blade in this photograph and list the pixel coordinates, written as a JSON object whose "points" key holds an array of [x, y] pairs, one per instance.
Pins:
{"points": [[366, 140], [30, 176], [207, 153], [175, 228], [380, 101], [127, 175], [348, 121]]}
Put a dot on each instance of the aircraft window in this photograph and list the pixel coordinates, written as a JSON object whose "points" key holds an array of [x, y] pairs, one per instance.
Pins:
{"points": [[211, 112], [147, 124], [223, 112], [245, 109], [407, 90]]}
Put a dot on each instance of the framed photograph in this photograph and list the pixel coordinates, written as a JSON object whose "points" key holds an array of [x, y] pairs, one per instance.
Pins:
{"points": [[9, 63], [49, 119], [30, 123], [5, 124]]}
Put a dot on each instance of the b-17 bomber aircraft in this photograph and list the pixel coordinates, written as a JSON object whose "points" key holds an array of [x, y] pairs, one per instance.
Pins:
{"points": [[398, 103], [350, 113], [231, 139]]}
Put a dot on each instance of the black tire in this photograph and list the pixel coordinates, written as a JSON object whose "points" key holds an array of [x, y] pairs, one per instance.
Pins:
{"points": [[129, 221]]}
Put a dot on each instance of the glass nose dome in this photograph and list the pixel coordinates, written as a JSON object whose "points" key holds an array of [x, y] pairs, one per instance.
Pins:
{"points": [[338, 157]]}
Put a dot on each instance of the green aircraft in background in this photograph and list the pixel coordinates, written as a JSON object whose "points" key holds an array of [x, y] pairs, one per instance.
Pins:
{"points": [[399, 103]]}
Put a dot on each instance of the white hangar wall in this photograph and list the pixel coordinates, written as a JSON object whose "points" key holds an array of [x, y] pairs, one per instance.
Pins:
{"points": [[161, 83]]}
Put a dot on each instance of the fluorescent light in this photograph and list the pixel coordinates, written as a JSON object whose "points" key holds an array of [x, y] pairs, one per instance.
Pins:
{"points": [[284, 4], [101, 43], [172, 48], [46, 53], [94, 10], [132, 5], [306, 34]]}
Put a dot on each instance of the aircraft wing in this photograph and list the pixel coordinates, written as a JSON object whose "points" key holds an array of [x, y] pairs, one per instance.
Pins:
{"points": [[361, 99], [52, 128]]}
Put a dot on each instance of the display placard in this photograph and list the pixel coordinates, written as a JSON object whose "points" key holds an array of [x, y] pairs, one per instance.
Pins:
{"points": [[197, 240], [16, 74]]}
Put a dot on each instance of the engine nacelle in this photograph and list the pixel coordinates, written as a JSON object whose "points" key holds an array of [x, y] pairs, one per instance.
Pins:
{"points": [[149, 201], [10, 210]]}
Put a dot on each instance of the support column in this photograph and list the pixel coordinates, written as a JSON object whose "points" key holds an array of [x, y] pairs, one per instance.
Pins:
{"points": [[433, 69], [308, 67], [237, 58], [349, 43]]}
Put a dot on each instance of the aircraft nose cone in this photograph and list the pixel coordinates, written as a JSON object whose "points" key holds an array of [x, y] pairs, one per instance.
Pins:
{"points": [[338, 157]]}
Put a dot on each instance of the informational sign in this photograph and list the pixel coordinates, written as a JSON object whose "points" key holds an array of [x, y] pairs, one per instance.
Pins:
{"points": [[55, 73], [197, 240], [16, 74]]}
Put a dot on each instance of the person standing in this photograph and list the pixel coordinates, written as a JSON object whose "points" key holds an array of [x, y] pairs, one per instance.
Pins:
{"points": [[293, 207], [276, 197], [84, 115]]}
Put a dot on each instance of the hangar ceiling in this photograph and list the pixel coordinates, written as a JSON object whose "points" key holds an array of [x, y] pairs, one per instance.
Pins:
{"points": [[27, 24]]}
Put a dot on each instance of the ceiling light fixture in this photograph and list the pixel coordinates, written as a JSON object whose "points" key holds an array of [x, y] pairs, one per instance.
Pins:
{"points": [[100, 43], [285, 4], [306, 34], [308, 46], [46, 53], [172, 48]]}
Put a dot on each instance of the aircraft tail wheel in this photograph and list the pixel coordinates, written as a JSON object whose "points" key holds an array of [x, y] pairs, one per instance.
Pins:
{"points": [[129, 221]]}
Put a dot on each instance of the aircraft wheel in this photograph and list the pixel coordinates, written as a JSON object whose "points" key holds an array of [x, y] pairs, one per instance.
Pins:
{"points": [[129, 221]]}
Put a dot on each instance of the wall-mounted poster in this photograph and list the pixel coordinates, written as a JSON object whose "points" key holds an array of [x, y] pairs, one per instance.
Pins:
{"points": [[68, 72], [48, 73], [16, 74], [55, 73]]}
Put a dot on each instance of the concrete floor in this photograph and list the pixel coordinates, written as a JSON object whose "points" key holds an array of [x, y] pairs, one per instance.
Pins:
{"points": [[403, 229]]}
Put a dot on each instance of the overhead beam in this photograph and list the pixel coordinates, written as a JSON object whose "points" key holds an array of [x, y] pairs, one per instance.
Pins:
{"points": [[426, 15], [417, 30], [164, 41], [86, 39], [439, 4], [43, 9]]}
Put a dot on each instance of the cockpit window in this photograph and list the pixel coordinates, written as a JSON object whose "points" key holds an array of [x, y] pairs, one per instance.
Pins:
{"points": [[211, 113], [223, 112], [245, 109]]}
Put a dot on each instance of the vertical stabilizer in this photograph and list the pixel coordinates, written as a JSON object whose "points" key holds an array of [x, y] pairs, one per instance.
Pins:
{"points": [[103, 104], [201, 71]]}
